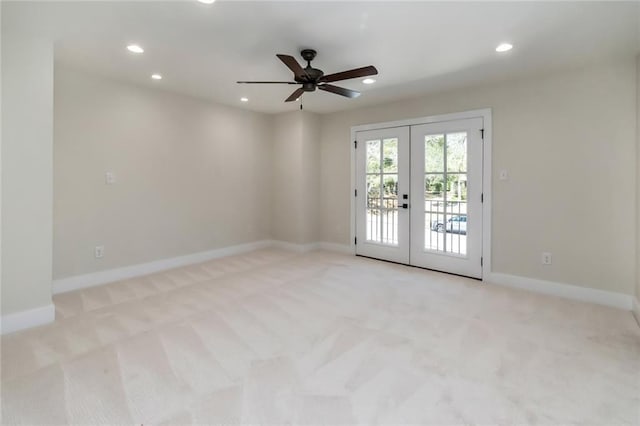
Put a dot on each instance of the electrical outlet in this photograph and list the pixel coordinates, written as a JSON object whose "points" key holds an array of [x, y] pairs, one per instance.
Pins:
{"points": [[546, 258], [109, 178], [99, 252]]}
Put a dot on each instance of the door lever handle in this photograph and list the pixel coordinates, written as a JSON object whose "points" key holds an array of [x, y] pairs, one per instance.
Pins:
{"points": [[403, 206]]}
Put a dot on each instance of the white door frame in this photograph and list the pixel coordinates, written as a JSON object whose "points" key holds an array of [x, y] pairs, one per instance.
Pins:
{"points": [[485, 114]]}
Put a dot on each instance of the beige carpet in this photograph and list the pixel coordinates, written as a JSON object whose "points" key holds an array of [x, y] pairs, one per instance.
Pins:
{"points": [[273, 337]]}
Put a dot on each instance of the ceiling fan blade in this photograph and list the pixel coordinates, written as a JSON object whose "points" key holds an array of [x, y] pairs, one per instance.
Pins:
{"points": [[267, 82], [295, 95], [346, 75], [339, 90], [293, 65]]}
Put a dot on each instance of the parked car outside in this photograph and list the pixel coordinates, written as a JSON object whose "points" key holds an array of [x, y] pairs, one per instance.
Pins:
{"points": [[455, 224]]}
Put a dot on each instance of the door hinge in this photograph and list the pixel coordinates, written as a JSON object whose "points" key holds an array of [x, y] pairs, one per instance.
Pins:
{"points": [[482, 133], [356, 192], [355, 144], [355, 240], [482, 197], [481, 260]]}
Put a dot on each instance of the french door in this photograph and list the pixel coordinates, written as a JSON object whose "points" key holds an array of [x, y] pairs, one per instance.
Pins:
{"points": [[419, 195], [382, 223]]}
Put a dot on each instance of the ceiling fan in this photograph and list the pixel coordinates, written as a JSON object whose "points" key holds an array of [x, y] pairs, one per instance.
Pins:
{"points": [[312, 78]]}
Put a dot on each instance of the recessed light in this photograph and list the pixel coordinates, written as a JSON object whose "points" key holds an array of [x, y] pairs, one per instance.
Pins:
{"points": [[369, 81], [135, 48], [504, 47], [156, 76], [207, 1], [244, 99]]}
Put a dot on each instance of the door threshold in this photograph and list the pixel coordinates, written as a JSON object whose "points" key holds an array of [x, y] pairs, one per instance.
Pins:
{"points": [[419, 267]]}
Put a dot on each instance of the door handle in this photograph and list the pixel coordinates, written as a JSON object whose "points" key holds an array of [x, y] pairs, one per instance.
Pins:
{"points": [[404, 206]]}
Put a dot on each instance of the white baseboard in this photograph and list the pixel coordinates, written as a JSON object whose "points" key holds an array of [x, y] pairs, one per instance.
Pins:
{"points": [[27, 319], [585, 294], [46, 314], [298, 248], [338, 248], [77, 282], [568, 291], [304, 248]]}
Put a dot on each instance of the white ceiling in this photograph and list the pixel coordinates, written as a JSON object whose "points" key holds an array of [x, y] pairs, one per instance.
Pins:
{"points": [[418, 47]]}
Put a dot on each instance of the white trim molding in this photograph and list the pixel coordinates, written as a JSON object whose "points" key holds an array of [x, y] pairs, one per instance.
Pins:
{"points": [[298, 248], [27, 319], [305, 248], [46, 314], [77, 282], [334, 247], [567, 291]]}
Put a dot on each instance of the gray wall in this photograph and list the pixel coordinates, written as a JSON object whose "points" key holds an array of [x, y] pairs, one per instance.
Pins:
{"points": [[190, 175], [296, 173], [27, 144]]}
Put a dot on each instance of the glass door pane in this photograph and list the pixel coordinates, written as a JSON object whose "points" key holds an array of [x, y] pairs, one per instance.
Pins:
{"points": [[445, 192], [382, 191]]}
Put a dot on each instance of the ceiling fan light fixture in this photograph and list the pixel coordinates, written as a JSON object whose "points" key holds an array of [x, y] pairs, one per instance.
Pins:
{"points": [[504, 47], [369, 80]]}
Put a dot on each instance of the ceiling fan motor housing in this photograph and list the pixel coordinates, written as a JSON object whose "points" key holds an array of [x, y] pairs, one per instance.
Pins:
{"points": [[312, 75]]}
